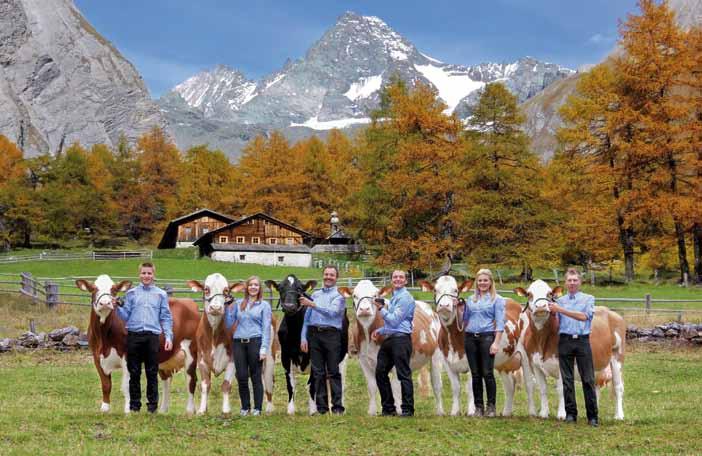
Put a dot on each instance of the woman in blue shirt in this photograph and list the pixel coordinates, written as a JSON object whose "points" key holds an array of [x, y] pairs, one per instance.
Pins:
{"points": [[251, 341], [483, 318]]}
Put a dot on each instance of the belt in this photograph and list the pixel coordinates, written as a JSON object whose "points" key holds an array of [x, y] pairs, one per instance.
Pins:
{"points": [[323, 328], [476, 335], [575, 336], [142, 333], [396, 334], [247, 341]]}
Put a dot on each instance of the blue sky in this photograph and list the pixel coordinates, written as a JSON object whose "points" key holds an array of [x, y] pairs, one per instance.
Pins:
{"points": [[170, 40]]}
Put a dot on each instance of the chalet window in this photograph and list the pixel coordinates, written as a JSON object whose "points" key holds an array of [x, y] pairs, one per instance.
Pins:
{"points": [[290, 241], [255, 240], [240, 239], [281, 259], [187, 232], [272, 241], [223, 239], [242, 257], [250, 222], [205, 230]]}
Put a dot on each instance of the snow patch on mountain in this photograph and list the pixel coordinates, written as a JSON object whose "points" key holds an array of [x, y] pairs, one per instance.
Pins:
{"points": [[316, 124], [453, 86], [364, 87]]}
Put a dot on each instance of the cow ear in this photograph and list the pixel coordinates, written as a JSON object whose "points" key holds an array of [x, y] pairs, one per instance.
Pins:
{"points": [[345, 292], [465, 286], [384, 291], [272, 285], [121, 287], [85, 285], [519, 291], [426, 286], [310, 285], [557, 292], [195, 285], [237, 287]]}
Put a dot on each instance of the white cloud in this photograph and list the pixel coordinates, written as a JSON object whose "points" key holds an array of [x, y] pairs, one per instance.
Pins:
{"points": [[599, 39], [160, 74]]}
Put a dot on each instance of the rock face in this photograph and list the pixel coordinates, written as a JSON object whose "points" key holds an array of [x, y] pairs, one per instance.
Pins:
{"points": [[335, 85], [542, 110], [61, 81]]}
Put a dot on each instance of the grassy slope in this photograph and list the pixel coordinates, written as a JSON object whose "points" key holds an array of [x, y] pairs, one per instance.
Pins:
{"points": [[49, 405]]}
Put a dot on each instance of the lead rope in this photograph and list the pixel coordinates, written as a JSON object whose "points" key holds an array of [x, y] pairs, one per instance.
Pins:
{"points": [[459, 321]]}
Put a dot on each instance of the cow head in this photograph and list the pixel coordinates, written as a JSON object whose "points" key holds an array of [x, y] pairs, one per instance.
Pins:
{"points": [[539, 295], [290, 289], [103, 290], [364, 294], [216, 293], [446, 290]]}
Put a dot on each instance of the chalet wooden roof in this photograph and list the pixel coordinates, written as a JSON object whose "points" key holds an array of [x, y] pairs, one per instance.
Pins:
{"points": [[207, 237], [170, 235]]}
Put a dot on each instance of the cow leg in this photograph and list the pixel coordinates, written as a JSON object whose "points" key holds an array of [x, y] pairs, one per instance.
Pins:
{"points": [[268, 371], [311, 402], [541, 381], [561, 414], [455, 391], [618, 386], [396, 391], [204, 388], [342, 370], [190, 376], [436, 381], [125, 385], [470, 399], [290, 383], [369, 373], [528, 377], [508, 383], [227, 387], [106, 385], [166, 399]]}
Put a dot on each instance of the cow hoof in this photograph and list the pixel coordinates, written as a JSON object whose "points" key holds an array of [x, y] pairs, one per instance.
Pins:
{"points": [[291, 409], [561, 417], [269, 408], [104, 407]]}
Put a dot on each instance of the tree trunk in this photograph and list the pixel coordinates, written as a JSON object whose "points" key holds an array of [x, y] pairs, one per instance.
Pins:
{"points": [[527, 272], [626, 239], [697, 249], [682, 252]]}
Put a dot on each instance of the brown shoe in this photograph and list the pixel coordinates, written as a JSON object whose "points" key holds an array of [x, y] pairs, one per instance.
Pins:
{"points": [[490, 411], [479, 412]]}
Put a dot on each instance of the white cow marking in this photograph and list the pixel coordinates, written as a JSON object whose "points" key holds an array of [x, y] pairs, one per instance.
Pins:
{"points": [[111, 363]]}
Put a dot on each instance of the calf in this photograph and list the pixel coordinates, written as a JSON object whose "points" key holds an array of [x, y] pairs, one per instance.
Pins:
{"points": [[607, 342], [212, 352], [425, 347], [289, 336], [107, 338]]}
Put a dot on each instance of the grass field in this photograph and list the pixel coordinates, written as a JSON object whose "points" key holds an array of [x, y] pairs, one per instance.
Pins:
{"points": [[49, 405]]}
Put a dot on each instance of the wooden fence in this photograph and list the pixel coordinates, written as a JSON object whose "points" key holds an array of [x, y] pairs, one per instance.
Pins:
{"points": [[94, 255], [62, 290]]}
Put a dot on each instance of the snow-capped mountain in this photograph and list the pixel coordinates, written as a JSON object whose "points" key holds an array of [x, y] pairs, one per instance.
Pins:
{"points": [[335, 85]]}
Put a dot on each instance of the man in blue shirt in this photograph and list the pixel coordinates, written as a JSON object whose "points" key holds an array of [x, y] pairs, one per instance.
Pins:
{"points": [[396, 348], [575, 312], [146, 314], [321, 335]]}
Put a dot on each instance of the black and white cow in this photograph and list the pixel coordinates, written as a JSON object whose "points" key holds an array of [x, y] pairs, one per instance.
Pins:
{"points": [[289, 331]]}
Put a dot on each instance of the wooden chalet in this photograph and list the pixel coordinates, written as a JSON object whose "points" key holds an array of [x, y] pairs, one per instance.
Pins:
{"points": [[185, 230], [260, 239]]}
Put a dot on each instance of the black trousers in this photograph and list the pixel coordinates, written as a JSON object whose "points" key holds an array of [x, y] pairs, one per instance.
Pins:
{"points": [[482, 365], [142, 347], [570, 349], [395, 351], [248, 365], [325, 350]]}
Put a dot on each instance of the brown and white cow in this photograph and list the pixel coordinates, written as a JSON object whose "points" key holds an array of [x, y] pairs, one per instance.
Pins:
{"points": [[425, 348], [607, 342], [509, 359], [107, 338], [212, 351]]}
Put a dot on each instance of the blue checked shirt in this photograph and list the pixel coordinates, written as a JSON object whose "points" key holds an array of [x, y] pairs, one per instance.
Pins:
{"points": [[328, 310], [253, 321], [579, 302], [484, 314], [146, 309], [399, 313]]}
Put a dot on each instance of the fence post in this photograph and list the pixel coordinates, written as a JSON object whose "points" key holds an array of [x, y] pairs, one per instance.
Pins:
{"points": [[648, 302], [169, 290], [685, 280], [26, 283], [499, 276], [52, 293], [32, 326], [555, 276], [412, 277], [592, 277]]}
